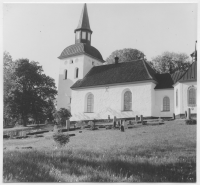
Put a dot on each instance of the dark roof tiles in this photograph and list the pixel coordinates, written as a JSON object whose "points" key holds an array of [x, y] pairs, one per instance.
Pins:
{"points": [[190, 74], [164, 81], [81, 48], [135, 71], [116, 73], [177, 75]]}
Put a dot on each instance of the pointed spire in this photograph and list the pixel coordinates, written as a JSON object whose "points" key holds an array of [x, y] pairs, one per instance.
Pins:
{"points": [[84, 20], [194, 54]]}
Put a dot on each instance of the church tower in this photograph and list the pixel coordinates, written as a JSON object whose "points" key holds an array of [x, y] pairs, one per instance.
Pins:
{"points": [[76, 60]]}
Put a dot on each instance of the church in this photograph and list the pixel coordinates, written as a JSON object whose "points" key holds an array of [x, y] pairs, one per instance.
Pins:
{"points": [[93, 90]]}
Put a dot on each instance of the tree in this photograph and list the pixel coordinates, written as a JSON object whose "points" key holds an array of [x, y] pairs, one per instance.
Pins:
{"points": [[62, 115], [8, 67], [170, 62], [125, 55], [32, 91]]}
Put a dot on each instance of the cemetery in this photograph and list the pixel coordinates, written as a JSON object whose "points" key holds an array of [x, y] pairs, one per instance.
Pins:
{"points": [[144, 152]]}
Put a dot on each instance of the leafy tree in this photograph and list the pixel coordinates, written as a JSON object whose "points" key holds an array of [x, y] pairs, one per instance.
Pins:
{"points": [[170, 62], [62, 115], [32, 91], [125, 55], [50, 110], [8, 67]]}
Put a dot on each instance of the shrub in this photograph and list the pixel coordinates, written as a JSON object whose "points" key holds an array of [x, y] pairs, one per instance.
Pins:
{"points": [[191, 122], [61, 139], [92, 125]]}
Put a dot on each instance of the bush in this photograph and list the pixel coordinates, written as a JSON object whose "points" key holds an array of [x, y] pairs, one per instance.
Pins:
{"points": [[61, 139], [191, 122], [92, 125]]}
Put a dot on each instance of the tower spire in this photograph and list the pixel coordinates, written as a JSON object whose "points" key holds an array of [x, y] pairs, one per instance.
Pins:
{"points": [[83, 31], [84, 20]]}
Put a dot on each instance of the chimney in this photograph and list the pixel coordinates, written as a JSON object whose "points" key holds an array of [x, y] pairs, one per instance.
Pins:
{"points": [[116, 60]]}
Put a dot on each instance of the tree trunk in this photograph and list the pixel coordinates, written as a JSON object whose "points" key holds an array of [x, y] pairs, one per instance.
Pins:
{"points": [[24, 120]]}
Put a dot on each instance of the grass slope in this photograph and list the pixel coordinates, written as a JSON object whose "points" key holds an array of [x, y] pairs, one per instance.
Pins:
{"points": [[162, 153]]}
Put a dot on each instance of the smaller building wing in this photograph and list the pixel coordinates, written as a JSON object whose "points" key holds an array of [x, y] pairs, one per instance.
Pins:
{"points": [[164, 81]]}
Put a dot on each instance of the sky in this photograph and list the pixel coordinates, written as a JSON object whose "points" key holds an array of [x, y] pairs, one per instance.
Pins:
{"points": [[41, 31]]}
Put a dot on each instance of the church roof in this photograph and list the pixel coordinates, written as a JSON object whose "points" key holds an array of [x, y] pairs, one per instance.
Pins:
{"points": [[164, 81], [190, 74], [81, 48], [135, 71], [177, 75], [84, 20]]}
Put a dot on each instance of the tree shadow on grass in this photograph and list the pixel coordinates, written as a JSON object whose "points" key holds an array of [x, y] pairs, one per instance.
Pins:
{"points": [[26, 171], [97, 167], [181, 171]]}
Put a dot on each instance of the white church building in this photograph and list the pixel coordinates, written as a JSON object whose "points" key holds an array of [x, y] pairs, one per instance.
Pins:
{"points": [[92, 90]]}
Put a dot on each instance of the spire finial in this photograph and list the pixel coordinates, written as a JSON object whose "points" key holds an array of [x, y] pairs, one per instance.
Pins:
{"points": [[84, 20]]}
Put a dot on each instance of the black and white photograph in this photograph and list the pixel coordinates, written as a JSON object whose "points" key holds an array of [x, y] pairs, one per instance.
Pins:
{"points": [[100, 92]]}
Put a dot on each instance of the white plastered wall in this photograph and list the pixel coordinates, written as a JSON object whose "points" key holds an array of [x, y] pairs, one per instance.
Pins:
{"points": [[158, 106], [110, 102], [183, 97], [84, 64]]}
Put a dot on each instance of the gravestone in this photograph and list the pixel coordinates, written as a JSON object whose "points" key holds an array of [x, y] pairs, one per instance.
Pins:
{"points": [[141, 118], [174, 117], [189, 114], [67, 125], [114, 121], [136, 118], [11, 134], [125, 125]]}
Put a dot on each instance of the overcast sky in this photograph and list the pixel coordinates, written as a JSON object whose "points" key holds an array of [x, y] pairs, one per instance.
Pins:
{"points": [[40, 32]]}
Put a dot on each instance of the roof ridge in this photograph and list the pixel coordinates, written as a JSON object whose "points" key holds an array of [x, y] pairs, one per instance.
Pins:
{"points": [[147, 70]]}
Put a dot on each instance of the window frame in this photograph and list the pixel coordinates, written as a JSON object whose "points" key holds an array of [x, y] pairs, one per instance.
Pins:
{"points": [[193, 98], [129, 106], [78, 35], [89, 36], [166, 104], [90, 104], [65, 75], [83, 34], [76, 72]]}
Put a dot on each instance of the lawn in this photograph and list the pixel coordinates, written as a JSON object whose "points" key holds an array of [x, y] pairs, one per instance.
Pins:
{"points": [[160, 153]]}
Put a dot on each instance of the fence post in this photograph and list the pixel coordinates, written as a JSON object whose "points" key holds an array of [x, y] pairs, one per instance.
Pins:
{"points": [[188, 115]]}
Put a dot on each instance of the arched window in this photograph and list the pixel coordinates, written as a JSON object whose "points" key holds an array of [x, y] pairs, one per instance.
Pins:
{"points": [[192, 96], [90, 103], [166, 104], [177, 97], [76, 73], [127, 100], [65, 74]]}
